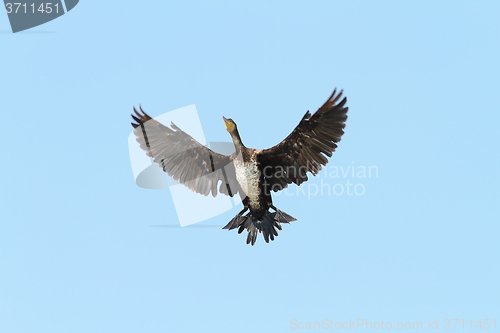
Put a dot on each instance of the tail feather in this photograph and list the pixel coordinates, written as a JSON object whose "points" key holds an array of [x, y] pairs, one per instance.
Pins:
{"points": [[267, 226], [235, 222], [283, 217]]}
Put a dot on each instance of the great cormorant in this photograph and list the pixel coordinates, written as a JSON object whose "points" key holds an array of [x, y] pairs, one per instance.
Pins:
{"points": [[252, 173]]}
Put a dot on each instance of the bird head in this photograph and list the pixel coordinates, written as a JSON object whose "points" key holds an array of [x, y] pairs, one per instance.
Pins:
{"points": [[230, 125]]}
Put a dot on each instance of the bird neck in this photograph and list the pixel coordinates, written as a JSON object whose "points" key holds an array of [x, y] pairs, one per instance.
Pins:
{"points": [[237, 141]]}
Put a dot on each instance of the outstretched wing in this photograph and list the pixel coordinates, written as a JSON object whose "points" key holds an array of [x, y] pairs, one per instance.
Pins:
{"points": [[306, 148], [183, 158]]}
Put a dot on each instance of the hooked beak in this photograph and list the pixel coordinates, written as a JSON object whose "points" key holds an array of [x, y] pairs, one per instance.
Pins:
{"points": [[228, 123]]}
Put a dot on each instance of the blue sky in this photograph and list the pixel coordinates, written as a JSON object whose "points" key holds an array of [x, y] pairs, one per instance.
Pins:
{"points": [[78, 252]]}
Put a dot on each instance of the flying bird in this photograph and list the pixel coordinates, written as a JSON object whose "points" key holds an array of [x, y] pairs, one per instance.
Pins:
{"points": [[253, 174]]}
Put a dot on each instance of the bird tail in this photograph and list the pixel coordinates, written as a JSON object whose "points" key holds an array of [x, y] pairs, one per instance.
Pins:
{"points": [[267, 225]]}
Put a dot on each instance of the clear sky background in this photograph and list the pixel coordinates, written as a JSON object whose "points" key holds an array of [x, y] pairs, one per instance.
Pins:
{"points": [[78, 252]]}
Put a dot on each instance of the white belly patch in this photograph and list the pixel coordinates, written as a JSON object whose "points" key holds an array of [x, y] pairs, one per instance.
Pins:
{"points": [[247, 175]]}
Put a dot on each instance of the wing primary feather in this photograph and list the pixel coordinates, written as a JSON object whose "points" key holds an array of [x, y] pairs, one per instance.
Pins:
{"points": [[306, 149]]}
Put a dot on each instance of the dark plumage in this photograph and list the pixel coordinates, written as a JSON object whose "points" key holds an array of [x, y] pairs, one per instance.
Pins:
{"points": [[251, 173]]}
